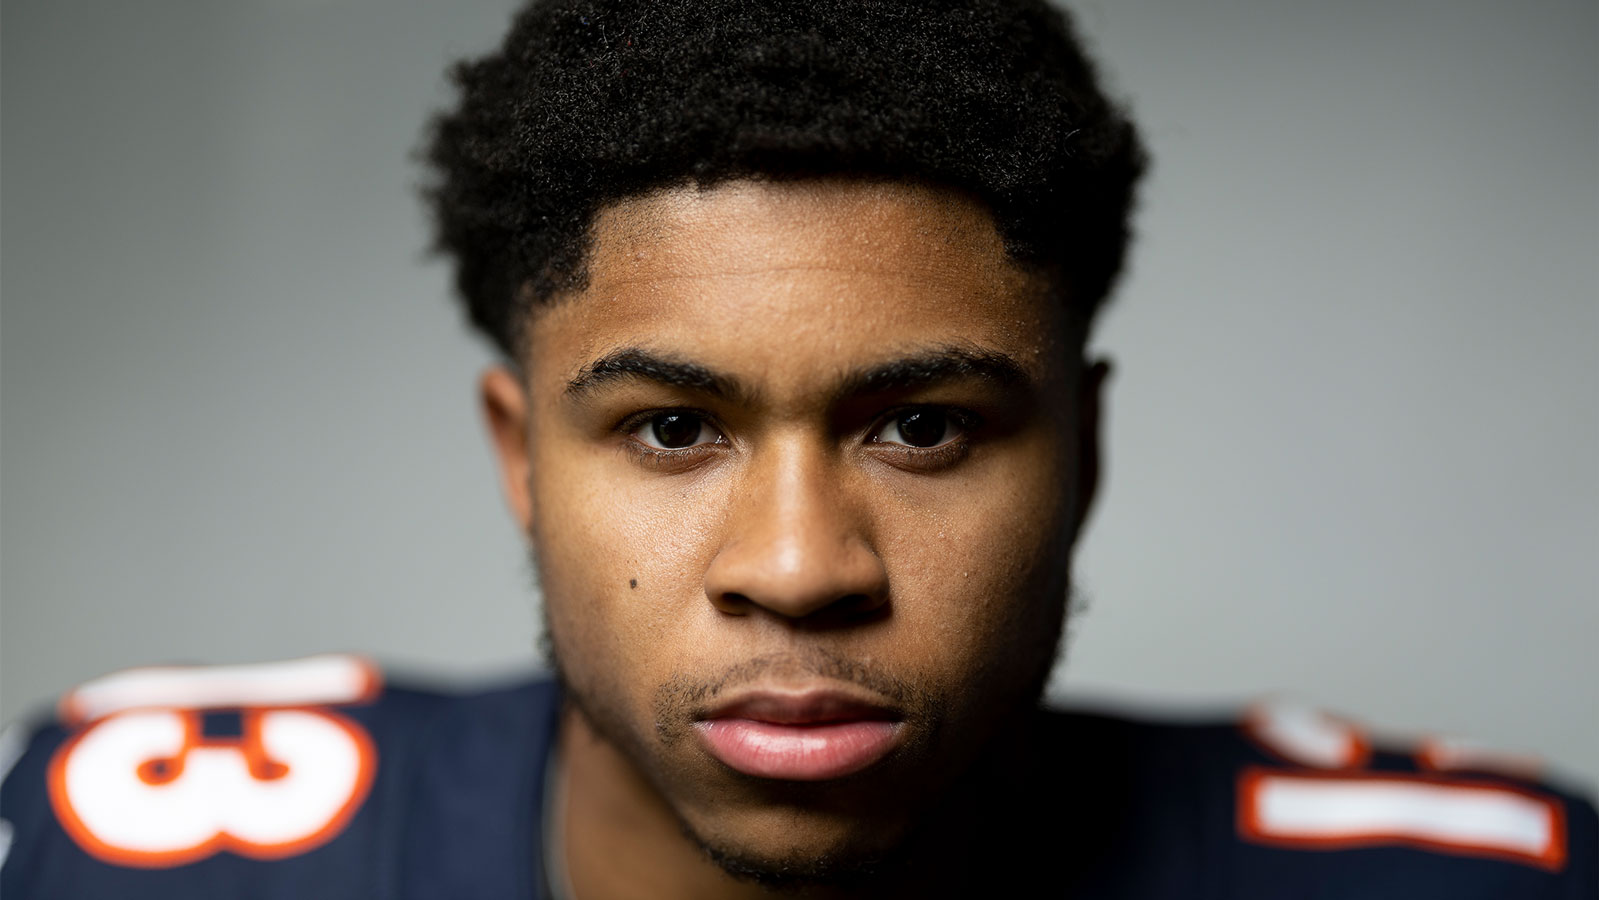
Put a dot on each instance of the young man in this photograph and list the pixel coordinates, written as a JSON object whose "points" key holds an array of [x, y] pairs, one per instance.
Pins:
{"points": [[795, 413]]}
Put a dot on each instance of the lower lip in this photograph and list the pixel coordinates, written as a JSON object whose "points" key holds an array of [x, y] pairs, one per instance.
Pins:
{"points": [[799, 752]]}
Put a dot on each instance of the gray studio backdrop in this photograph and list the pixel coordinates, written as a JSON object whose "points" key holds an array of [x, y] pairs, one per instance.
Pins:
{"points": [[1353, 435]]}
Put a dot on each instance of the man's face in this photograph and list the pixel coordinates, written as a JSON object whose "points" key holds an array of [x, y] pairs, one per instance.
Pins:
{"points": [[801, 466]]}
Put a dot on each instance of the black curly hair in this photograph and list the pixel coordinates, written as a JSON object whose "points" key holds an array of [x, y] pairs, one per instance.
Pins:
{"points": [[591, 101]]}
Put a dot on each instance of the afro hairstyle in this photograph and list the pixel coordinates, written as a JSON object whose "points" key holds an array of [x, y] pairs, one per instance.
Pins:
{"points": [[589, 102]]}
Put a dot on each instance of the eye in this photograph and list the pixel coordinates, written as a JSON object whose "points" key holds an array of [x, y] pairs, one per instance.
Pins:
{"points": [[675, 429], [923, 428]]}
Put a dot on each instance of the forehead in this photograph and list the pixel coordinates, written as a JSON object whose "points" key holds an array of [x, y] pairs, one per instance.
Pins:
{"points": [[793, 281]]}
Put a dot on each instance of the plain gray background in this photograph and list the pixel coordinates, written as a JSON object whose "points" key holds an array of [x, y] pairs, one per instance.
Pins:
{"points": [[1353, 436]]}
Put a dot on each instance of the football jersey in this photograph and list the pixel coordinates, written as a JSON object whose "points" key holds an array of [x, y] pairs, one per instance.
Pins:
{"points": [[311, 779]]}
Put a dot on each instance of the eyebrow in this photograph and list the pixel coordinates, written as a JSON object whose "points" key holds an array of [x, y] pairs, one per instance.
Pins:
{"points": [[939, 364], [950, 362], [637, 363]]}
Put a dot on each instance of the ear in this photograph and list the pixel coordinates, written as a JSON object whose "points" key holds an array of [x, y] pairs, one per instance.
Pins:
{"points": [[504, 403], [1090, 400]]}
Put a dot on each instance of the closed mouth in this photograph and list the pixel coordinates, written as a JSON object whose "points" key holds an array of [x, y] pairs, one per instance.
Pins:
{"points": [[816, 734]]}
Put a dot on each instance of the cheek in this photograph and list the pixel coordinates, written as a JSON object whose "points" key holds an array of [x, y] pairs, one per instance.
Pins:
{"points": [[981, 573], [621, 563]]}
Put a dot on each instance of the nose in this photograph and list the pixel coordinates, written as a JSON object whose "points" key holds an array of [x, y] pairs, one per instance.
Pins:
{"points": [[792, 547]]}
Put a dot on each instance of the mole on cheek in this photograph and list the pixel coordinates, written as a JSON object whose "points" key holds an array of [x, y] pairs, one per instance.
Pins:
{"points": [[632, 582]]}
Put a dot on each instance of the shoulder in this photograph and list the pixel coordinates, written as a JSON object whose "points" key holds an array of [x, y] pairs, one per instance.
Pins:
{"points": [[181, 780], [1289, 801]]}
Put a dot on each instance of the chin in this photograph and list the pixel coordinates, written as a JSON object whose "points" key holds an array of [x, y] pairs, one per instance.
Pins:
{"points": [[806, 859]]}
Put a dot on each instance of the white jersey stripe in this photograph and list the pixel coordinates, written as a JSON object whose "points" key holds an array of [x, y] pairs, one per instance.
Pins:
{"points": [[1348, 811], [314, 680]]}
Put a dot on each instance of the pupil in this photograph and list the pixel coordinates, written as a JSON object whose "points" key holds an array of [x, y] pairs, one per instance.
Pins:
{"points": [[676, 430], [922, 429]]}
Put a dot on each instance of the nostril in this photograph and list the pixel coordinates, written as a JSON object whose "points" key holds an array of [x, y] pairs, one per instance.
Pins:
{"points": [[856, 605], [845, 608], [731, 603]]}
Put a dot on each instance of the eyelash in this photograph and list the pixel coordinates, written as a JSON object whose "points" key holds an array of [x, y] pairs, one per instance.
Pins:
{"points": [[657, 457], [938, 456], [923, 458]]}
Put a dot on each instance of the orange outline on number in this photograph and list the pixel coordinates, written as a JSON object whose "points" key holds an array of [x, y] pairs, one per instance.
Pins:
{"points": [[1552, 858], [255, 759], [1356, 755]]}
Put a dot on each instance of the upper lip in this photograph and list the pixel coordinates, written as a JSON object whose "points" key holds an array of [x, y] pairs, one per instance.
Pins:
{"points": [[810, 706]]}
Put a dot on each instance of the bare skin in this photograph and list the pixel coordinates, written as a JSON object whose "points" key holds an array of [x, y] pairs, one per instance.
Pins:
{"points": [[792, 438]]}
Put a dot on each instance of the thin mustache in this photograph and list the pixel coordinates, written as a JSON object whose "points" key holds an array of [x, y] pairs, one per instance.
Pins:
{"points": [[812, 707]]}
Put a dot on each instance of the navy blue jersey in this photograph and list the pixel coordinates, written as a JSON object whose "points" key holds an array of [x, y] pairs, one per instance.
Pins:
{"points": [[310, 780]]}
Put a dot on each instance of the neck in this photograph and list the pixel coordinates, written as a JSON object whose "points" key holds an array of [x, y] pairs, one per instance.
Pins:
{"points": [[622, 840]]}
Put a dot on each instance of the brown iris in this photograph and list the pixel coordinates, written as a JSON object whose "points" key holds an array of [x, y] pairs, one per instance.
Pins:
{"points": [[923, 428], [676, 430]]}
